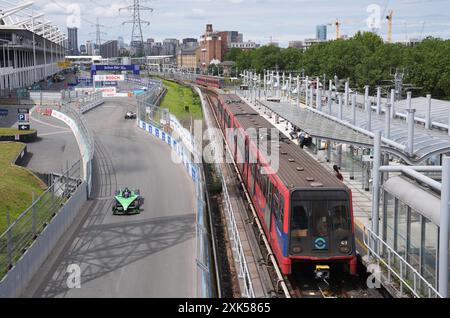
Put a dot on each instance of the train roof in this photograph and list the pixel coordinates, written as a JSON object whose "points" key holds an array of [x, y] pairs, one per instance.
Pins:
{"points": [[297, 169]]}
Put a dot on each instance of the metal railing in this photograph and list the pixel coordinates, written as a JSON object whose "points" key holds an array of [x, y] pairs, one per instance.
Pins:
{"points": [[148, 111], [233, 232], [398, 269], [21, 233], [237, 248]]}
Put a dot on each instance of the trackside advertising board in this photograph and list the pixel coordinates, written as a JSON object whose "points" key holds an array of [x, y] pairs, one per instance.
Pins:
{"points": [[109, 78]]}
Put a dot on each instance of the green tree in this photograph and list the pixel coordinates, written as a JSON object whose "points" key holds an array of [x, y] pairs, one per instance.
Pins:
{"points": [[364, 58]]}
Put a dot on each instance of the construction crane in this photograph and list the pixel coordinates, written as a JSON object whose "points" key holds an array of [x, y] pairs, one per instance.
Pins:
{"points": [[271, 40], [389, 18], [337, 24]]}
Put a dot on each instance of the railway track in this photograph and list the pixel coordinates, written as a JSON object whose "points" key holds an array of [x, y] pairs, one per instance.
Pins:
{"points": [[301, 284]]}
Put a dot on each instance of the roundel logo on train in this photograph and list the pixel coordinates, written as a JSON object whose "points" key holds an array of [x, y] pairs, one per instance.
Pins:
{"points": [[320, 243]]}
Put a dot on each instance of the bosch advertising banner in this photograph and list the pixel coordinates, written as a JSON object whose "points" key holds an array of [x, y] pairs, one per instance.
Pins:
{"points": [[109, 78]]}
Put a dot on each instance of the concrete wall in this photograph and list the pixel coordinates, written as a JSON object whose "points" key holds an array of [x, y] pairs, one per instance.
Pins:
{"points": [[15, 282]]}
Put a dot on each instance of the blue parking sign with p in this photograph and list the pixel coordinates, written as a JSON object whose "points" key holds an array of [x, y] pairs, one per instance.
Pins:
{"points": [[22, 117]]}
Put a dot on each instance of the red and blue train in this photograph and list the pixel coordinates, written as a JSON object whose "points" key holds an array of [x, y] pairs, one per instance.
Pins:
{"points": [[210, 81], [305, 210]]}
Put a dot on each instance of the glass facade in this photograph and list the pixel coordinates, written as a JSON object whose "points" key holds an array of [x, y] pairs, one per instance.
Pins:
{"points": [[412, 236]]}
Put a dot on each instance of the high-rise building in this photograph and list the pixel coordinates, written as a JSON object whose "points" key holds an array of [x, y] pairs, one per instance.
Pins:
{"points": [[73, 41], [321, 32], [170, 47], [90, 48], [83, 49], [109, 49], [153, 48], [121, 42], [136, 47]]}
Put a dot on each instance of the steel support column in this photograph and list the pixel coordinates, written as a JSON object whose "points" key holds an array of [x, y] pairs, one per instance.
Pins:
{"points": [[387, 122], [376, 182], [444, 228], [378, 100], [354, 109], [393, 103], [428, 113], [410, 148], [369, 115]]}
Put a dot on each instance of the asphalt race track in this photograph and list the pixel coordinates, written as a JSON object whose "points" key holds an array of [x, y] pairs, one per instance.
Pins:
{"points": [[146, 255], [55, 147]]}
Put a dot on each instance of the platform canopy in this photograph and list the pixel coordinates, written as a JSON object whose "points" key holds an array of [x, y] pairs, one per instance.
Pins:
{"points": [[426, 142]]}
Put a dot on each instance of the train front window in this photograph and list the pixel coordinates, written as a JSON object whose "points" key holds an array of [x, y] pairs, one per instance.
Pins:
{"points": [[339, 215], [319, 220]]}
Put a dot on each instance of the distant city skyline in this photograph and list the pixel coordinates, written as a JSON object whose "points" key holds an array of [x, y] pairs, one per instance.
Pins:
{"points": [[290, 20]]}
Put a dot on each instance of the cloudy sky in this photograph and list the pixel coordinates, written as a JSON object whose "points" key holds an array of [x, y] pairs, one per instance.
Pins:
{"points": [[283, 20]]}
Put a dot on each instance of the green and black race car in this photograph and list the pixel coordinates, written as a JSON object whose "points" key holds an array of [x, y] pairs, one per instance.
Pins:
{"points": [[127, 202]]}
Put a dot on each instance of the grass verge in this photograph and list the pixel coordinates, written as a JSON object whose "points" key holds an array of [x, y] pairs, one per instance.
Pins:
{"points": [[178, 97], [14, 131], [16, 184]]}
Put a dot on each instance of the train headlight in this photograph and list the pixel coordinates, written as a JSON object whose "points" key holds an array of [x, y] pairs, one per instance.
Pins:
{"points": [[297, 249], [344, 248]]}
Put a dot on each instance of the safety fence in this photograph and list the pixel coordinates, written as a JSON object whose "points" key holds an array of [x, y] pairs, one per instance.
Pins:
{"points": [[23, 231], [399, 271]]}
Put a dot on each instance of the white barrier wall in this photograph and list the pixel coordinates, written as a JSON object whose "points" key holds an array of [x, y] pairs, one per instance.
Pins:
{"points": [[191, 168], [82, 145]]}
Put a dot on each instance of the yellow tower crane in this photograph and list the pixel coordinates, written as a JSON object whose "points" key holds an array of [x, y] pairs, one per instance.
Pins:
{"points": [[389, 18], [338, 29], [337, 24]]}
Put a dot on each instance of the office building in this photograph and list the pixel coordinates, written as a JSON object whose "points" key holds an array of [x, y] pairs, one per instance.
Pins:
{"points": [[73, 40], [187, 59], [109, 49], [321, 32]]}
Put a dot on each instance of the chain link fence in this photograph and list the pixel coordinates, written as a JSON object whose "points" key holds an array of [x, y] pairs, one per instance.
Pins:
{"points": [[21, 233]]}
